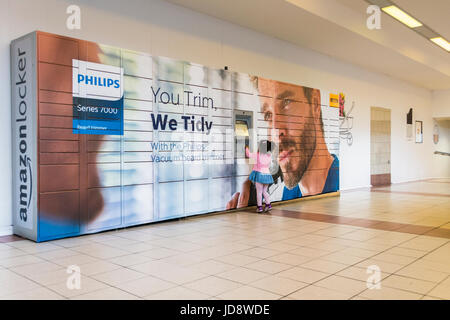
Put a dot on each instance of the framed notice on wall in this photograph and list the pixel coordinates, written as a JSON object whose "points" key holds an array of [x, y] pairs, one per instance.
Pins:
{"points": [[436, 133], [419, 131], [409, 123]]}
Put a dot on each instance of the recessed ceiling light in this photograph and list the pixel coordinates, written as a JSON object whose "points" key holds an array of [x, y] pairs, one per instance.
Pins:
{"points": [[441, 42], [402, 16]]}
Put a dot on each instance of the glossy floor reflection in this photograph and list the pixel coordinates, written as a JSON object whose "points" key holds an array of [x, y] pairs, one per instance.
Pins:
{"points": [[318, 249]]}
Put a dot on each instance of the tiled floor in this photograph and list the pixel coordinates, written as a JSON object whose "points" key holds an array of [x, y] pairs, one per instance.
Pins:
{"points": [[318, 249]]}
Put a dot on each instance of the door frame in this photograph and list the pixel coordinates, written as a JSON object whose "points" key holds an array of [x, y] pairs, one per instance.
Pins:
{"points": [[381, 179]]}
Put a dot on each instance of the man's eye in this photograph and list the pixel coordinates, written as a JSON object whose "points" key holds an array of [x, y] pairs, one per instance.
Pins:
{"points": [[286, 102], [268, 116]]}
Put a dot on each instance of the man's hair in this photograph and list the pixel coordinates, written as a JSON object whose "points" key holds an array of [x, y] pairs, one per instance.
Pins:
{"points": [[309, 96], [308, 92]]}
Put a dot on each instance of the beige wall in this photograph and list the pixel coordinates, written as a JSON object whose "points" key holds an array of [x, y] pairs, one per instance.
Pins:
{"points": [[160, 28], [441, 104], [441, 112]]}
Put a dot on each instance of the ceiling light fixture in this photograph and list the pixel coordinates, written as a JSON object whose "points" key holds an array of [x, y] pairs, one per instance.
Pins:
{"points": [[441, 42], [394, 11], [402, 16]]}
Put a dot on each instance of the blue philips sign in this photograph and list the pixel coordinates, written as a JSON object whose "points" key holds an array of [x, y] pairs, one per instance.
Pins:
{"points": [[97, 99]]}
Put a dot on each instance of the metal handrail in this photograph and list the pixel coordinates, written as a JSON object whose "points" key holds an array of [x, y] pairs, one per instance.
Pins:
{"points": [[442, 153], [346, 126]]}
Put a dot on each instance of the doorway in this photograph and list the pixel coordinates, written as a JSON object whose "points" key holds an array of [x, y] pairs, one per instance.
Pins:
{"points": [[380, 146]]}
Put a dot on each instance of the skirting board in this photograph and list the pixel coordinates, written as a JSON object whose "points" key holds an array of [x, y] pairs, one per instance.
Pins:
{"points": [[319, 196], [7, 231]]}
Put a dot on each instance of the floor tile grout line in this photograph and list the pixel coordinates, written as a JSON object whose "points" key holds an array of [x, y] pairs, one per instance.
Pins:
{"points": [[40, 285], [113, 286], [69, 298], [333, 274], [278, 229], [437, 284], [275, 274], [109, 285], [397, 245], [338, 271], [311, 284], [414, 261], [354, 265]]}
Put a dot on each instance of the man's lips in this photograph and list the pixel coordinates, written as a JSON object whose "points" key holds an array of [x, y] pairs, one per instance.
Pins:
{"points": [[284, 155]]}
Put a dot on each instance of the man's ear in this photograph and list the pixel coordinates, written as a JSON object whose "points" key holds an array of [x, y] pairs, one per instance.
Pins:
{"points": [[316, 103]]}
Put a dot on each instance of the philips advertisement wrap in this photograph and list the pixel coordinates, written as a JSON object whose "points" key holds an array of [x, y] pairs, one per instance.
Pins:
{"points": [[105, 138]]}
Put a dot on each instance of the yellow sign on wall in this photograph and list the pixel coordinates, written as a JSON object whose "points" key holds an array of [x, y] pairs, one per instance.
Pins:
{"points": [[334, 100]]}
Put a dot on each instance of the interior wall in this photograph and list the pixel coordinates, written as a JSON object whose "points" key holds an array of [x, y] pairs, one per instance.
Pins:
{"points": [[441, 114], [441, 104], [164, 29], [441, 163], [5, 124]]}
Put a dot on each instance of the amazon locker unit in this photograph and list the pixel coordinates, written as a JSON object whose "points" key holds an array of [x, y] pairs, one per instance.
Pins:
{"points": [[105, 138]]}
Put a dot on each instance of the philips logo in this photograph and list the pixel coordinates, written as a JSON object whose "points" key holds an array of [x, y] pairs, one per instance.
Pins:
{"points": [[98, 81]]}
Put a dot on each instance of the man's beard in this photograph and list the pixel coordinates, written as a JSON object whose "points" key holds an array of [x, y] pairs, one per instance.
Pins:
{"points": [[298, 162], [292, 175]]}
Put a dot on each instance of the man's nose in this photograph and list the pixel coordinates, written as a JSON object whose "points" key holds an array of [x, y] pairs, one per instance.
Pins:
{"points": [[281, 129]]}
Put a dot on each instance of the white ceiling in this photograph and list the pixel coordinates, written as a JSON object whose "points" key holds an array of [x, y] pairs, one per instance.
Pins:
{"points": [[433, 13], [338, 28]]}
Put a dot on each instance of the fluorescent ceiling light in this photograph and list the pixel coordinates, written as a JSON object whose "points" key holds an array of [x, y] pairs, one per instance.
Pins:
{"points": [[441, 42], [402, 16]]}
